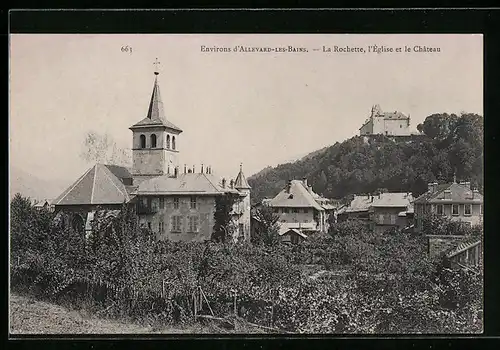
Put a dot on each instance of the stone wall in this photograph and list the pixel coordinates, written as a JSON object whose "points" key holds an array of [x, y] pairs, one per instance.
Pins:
{"points": [[437, 244]]}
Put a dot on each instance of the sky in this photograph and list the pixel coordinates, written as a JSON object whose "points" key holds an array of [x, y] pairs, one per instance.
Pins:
{"points": [[256, 108]]}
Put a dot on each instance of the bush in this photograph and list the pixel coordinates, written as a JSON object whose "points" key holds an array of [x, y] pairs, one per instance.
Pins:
{"points": [[385, 284]]}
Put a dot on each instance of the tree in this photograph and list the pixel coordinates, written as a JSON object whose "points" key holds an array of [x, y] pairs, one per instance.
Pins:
{"points": [[101, 148], [222, 230], [267, 230]]}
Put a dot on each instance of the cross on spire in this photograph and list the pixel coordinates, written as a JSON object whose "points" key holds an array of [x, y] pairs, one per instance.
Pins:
{"points": [[156, 63]]}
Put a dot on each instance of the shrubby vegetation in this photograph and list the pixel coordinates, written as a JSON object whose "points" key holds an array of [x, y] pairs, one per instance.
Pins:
{"points": [[433, 224], [453, 145], [364, 283]]}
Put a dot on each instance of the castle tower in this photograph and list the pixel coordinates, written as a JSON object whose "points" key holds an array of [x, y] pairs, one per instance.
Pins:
{"points": [[244, 188], [155, 143]]}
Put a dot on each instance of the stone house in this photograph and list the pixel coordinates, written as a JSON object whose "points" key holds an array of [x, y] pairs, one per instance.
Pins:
{"points": [[176, 206], [380, 212], [301, 210], [386, 123], [455, 201]]}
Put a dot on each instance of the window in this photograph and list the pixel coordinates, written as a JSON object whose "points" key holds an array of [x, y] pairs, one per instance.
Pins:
{"points": [[176, 202], [468, 209], [149, 225], [173, 142], [176, 223], [306, 211], [481, 209], [143, 141], [440, 210], [241, 229], [276, 210], [433, 208], [161, 227], [295, 210], [454, 209], [154, 204], [162, 202], [294, 238], [153, 141], [393, 219], [193, 202], [168, 141], [77, 223], [380, 218], [285, 210], [193, 224]]}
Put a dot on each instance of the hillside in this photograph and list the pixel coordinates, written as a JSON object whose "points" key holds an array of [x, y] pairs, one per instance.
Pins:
{"points": [[454, 145], [31, 186]]}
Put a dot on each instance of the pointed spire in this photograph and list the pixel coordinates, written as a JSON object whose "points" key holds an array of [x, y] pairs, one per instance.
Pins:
{"points": [[241, 181], [155, 111]]}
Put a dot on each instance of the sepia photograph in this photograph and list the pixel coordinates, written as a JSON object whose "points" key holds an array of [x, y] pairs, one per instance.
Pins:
{"points": [[246, 184]]}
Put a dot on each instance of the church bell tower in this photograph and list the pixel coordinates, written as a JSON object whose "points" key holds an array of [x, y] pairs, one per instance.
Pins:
{"points": [[155, 140]]}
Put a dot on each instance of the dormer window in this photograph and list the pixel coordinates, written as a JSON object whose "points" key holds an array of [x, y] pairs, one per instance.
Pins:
{"points": [[290, 196]]}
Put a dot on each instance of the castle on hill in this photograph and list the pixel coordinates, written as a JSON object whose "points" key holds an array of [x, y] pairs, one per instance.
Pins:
{"points": [[386, 123], [177, 204]]}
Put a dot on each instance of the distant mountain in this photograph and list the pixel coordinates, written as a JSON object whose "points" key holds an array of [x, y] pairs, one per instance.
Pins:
{"points": [[31, 186], [453, 146]]}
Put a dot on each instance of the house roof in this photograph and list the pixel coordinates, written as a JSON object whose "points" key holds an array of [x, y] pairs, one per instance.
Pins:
{"points": [[455, 192], [241, 181], [384, 200], [183, 184], [395, 199], [463, 245], [359, 203], [298, 197], [294, 230], [98, 185], [156, 113]]}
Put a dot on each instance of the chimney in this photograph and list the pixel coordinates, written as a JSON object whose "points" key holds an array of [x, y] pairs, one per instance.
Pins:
{"points": [[185, 171], [371, 198], [288, 186], [223, 183], [304, 181], [309, 188], [201, 169], [430, 187], [193, 169], [231, 183]]}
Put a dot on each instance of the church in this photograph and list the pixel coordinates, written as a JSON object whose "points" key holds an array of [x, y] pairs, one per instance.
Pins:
{"points": [[177, 204]]}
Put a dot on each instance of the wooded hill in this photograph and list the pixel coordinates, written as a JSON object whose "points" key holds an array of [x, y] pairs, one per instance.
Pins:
{"points": [[453, 145]]}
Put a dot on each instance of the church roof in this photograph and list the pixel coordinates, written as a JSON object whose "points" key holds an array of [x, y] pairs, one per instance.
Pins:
{"points": [[183, 184], [241, 180], [101, 184], [156, 113]]}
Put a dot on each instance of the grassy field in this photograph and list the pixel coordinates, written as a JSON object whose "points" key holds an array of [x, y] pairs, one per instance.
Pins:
{"points": [[30, 316]]}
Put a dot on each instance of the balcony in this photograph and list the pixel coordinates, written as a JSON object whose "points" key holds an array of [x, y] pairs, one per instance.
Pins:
{"points": [[142, 209]]}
